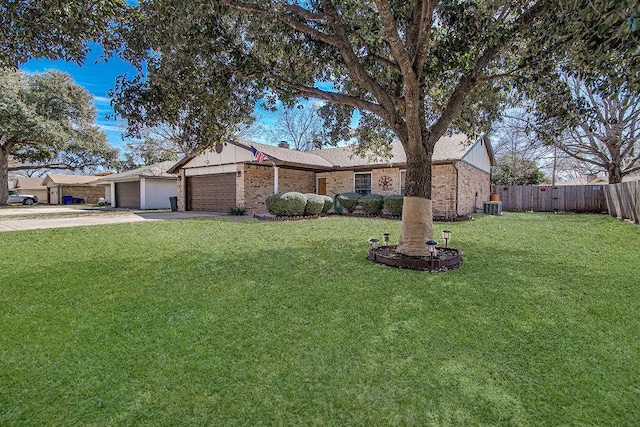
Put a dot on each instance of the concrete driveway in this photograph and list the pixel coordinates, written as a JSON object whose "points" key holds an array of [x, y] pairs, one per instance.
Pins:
{"points": [[36, 217]]}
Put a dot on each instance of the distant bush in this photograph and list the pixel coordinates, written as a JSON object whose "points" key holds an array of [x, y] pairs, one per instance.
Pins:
{"points": [[349, 201], [286, 204], [393, 204], [237, 210], [328, 203], [371, 203], [315, 203]]}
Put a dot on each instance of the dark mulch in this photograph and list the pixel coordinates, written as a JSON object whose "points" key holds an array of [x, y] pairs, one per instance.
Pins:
{"points": [[444, 260]]}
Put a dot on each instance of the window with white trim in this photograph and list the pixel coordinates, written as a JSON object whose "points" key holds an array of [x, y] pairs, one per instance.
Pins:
{"points": [[362, 183]]}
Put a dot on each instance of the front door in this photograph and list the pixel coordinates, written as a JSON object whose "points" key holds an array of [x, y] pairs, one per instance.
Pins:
{"points": [[322, 186]]}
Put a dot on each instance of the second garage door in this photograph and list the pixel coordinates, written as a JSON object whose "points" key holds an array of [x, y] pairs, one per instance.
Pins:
{"points": [[211, 193], [128, 195]]}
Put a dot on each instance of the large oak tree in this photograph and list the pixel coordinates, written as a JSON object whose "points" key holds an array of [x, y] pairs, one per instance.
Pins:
{"points": [[414, 69], [47, 122]]}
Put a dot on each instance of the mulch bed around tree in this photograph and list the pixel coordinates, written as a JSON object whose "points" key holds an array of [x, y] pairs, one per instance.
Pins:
{"points": [[446, 259]]}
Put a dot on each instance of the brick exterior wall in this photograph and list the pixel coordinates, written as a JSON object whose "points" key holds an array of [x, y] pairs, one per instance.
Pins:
{"points": [[457, 189], [474, 187], [258, 184], [443, 190], [90, 194], [181, 190], [453, 186], [383, 181]]}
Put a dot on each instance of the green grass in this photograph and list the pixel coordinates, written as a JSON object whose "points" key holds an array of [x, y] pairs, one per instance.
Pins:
{"points": [[216, 322]]}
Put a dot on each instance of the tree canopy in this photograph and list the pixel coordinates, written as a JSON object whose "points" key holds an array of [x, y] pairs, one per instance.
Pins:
{"points": [[414, 70], [54, 29], [47, 122]]}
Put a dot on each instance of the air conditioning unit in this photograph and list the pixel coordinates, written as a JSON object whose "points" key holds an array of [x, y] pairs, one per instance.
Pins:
{"points": [[492, 208]]}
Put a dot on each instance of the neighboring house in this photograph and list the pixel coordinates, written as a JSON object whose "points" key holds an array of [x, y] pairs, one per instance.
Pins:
{"points": [[598, 180], [585, 180], [28, 185], [230, 175], [148, 187], [61, 187]]}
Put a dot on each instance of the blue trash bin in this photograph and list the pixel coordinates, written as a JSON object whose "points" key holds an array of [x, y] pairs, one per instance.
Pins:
{"points": [[67, 200]]}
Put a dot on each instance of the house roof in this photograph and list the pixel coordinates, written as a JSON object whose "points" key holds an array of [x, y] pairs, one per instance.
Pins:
{"points": [[157, 170], [59, 179], [29, 183], [447, 149], [598, 180]]}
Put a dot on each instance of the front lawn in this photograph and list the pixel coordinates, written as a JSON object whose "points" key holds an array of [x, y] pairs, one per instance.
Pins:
{"points": [[217, 322]]}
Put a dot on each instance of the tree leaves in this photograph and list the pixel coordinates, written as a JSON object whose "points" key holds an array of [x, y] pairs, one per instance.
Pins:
{"points": [[47, 121], [52, 30]]}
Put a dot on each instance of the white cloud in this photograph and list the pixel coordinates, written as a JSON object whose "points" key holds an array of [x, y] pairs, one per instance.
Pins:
{"points": [[102, 100]]}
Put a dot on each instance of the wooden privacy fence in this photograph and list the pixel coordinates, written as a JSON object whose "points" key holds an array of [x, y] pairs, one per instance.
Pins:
{"points": [[547, 198], [623, 200]]}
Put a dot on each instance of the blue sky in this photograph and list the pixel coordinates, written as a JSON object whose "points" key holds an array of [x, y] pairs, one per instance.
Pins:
{"points": [[98, 77]]}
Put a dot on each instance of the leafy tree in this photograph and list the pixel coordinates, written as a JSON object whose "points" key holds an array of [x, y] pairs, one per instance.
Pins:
{"points": [[515, 170], [47, 122], [54, 29], [414, 70]]}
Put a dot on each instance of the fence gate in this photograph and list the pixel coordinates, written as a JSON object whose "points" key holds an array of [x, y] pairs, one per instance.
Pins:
{"points": [[547, 198]]}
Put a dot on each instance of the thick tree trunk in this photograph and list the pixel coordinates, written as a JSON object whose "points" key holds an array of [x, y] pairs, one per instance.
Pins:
{"points": [[4, 174], [417, 214], [615, 174]]}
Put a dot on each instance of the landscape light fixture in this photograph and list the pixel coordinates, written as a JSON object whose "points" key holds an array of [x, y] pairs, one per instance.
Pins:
{"points": [[431, 246], [446, 235], [374, 243], [385, 239]]}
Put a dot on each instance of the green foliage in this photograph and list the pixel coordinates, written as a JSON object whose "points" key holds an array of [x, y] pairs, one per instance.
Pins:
{"points": [[315, 204], [516, 171], [237, 210], [328, 203], [411, 70], [47, 121], [55, 30], [287, 204], [371, 203], [272, 201], [349, 201], [393, 204]]}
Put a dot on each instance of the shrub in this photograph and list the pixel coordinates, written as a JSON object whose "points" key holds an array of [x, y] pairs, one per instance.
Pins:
{"points": [[271, 202], [328, 203], [315, 204], [393, 204], [287, 204], [337, 206], [237, 210], [349, 201], [371, 203]]}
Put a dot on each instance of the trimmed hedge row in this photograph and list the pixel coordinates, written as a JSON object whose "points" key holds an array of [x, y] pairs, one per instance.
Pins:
{"points": [[372, 204], [298, 204]]}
